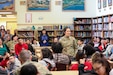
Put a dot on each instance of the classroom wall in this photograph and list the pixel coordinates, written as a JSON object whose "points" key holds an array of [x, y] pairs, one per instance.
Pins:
{"points": [[103, 11], [55, 15]]}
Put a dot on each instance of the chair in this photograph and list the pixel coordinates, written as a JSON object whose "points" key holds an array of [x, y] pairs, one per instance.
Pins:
{"points": [[61, 67]]}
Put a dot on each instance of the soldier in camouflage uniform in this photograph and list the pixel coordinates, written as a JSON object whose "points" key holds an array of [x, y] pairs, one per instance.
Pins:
{"points": [[69, 43]]}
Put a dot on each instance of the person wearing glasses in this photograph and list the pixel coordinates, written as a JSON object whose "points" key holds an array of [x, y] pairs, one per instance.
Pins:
{"points": [[100, 65]]}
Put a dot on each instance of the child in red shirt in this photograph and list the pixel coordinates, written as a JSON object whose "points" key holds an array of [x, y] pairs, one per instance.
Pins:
{"points": [[80, 55]]}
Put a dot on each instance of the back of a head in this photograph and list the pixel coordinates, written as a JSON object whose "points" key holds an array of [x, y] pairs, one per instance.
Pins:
{"points": [[29, 69], [46, 53], [80, 55], [57, 47], [97, 55], [25, 55]]}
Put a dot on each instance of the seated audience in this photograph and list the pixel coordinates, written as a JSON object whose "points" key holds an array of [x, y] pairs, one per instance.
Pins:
{"points": [[102, 45], [25, 58], [89, 49], [3, 63], [87, 64], [13, 64], [55, 39], [47, 59], [35, 43], [107, 41], [30, 47], [8, 34], [29, 69], [20, 46], [3, 49], [100, 65], [11, 44], [80, 44], [109, 48], [58, 56], [3, 71]]}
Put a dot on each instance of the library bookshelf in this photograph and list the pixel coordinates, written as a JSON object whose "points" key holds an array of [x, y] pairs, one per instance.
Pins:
{"points": [[102, 26], [52, 31], [83, 28]]}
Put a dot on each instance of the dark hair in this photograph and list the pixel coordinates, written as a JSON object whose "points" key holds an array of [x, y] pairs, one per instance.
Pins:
{"points": [[64, 30], [82, 40], [91, 43], [104, 63], [89, 49], [28, 69], [2, 39], [80, 55], [98, 57], [108, 38], [43, 30], [35, 58], [57, 47], [13, 37], [46, 53], [99, 39]]}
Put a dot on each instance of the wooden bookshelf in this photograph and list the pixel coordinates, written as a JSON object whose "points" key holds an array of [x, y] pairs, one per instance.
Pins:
{"points": [[83, 28], [25, 34], [52, 30], [103, 27]]}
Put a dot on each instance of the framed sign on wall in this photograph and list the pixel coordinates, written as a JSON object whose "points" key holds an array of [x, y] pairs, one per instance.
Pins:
{"points": [[7, 5], [38, 5], [73, 5]]}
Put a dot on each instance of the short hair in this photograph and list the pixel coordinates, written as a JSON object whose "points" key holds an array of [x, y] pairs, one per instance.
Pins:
{"points": [[57, 47], [25, 55], [13, 37], [29, 69], [46, 53], [81, 39], [80, 55]]}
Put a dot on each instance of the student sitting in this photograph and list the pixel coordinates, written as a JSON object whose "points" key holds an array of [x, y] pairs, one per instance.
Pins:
{"points": [[59, 57], [47, 59], [80, 44], [80, 55]]}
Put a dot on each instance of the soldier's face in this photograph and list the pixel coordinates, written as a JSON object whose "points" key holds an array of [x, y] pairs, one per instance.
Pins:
{"points": [[68, 32]]}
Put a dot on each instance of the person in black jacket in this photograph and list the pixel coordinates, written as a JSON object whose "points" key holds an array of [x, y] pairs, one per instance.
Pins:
{"points": [[30, 47], [89, 49]]}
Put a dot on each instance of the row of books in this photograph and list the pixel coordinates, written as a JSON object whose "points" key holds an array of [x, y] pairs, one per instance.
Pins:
{"points": [[104, 19], [97, 27], [83, 27], [106, 26], [108, 34], [94, 20], [83, 34], [98, 34], [25, 34], [83, 21], [99, 20], [56, 27]]}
